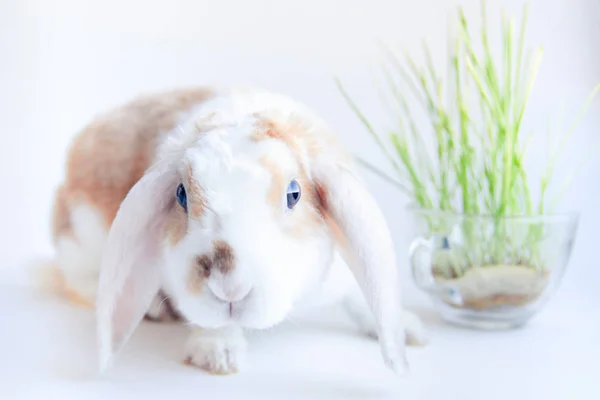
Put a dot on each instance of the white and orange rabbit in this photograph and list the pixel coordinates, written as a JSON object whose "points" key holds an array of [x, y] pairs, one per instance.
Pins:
{"points": [[238, 206]]}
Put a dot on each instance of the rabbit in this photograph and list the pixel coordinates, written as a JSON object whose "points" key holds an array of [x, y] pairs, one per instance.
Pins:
{"points": [[228, 209]]}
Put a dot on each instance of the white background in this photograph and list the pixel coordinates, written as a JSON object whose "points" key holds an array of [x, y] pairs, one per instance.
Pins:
{"points": [[62, 62]]}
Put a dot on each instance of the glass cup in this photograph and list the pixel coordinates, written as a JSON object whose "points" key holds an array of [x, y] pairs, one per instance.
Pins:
{"points": [[489, 272]]}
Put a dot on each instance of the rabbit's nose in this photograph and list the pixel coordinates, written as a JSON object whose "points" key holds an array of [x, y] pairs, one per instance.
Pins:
{"points": [[229, 293]]}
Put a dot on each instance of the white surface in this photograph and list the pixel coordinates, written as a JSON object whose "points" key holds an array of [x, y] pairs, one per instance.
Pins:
{"points": [[48, 352], [64, 61]]}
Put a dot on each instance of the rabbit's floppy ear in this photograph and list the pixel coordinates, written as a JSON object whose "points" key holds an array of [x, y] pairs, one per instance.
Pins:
{"points": [[130, 267], [364, 237]]}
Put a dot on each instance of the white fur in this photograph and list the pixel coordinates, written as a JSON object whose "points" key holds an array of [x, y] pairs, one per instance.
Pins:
{"points": [[275, 272], [369, 252], [271, 264], [130, 267], [78, 256], [220, 351]]}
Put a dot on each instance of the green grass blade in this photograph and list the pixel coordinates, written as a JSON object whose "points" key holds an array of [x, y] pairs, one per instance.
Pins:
{"points": [[383, 175]]}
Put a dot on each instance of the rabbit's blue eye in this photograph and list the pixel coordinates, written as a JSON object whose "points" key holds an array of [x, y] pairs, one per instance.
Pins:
{"points": [[182, 196], [293, 194]]}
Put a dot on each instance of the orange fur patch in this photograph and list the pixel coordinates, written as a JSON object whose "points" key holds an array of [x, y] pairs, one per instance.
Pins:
{"points": [[298, 135], [195, 196], [310, 217], [57, 283], [302, 139], [177, 225], [112, 153], [296, 132], [74, 297], [223, 259], [321, 194], [306, 213], [61, 223], [267, 129], [277, 188], [199, 272]]}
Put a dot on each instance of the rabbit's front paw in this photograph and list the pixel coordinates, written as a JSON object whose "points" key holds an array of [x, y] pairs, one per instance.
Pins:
{"points": [[218, 351]]}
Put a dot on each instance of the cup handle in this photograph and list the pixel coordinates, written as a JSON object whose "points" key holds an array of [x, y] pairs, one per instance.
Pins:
{"points": [[420, 256]]}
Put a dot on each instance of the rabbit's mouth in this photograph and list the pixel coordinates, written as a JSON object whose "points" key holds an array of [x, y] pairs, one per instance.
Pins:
{"points": [[236, 310]]}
